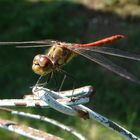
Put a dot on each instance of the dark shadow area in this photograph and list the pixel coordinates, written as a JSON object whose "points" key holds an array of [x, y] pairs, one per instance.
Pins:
{"points": [[116, 98]]}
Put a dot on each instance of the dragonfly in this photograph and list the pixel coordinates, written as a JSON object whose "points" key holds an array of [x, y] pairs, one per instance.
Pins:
{"points": [[60, 53]]}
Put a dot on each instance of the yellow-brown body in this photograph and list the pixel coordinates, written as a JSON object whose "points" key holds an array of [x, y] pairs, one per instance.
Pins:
{"points": [[55, 57], [59, 55]]}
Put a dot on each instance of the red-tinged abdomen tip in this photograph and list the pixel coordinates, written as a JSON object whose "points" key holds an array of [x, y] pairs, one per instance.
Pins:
{"points": [[120, 36]]}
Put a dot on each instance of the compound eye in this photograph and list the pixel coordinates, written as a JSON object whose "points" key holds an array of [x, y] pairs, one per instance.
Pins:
{"points": [[36, 58], [43, 61]]}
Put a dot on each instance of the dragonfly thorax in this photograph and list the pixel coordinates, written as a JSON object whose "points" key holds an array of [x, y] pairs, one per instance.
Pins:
{"points": [[42, 64], [59, 54]]}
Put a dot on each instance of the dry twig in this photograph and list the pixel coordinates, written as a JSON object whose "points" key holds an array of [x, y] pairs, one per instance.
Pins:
{"points": [[82, 111], [45, 119], [26, 131]]}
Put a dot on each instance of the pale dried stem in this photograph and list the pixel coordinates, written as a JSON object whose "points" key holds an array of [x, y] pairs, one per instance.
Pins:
{"points": [[45, 119], [83, 112], [26, 131]]}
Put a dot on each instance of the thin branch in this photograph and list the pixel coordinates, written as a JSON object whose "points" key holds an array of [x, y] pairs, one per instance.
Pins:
{"points": [[40, 103], [46, 119], [108, 123], [26, 131], [82, 112], [86, 90], [22, 102], [81, 96], [48, 96]]}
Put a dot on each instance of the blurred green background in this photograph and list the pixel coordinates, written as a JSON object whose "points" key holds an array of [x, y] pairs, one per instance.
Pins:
{"points": [[77, 21]]}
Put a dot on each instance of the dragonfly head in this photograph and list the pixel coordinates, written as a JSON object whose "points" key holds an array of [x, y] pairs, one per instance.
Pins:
{"points": [[42, 64]]}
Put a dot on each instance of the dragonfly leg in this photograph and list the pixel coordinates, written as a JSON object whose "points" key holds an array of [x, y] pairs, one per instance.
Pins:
{"points": [[38, 83], [62, 83], [71, 77], [55, 78]]}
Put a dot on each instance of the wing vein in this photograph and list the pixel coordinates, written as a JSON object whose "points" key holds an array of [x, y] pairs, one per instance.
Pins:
{"points": [[114, 52], [103, 61]]}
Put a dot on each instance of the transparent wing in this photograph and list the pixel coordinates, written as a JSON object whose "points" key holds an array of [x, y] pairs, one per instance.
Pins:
{"points": [[112, 51], [103, 61], [25, 44], [33, 46]]}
